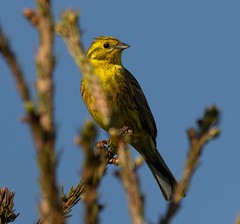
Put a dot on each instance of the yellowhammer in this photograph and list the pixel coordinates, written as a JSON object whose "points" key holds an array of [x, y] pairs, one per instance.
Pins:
{"points": [[129, 107]]}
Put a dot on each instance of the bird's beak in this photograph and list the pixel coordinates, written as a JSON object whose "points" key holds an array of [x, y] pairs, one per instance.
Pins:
{"points": [[122, 46]]}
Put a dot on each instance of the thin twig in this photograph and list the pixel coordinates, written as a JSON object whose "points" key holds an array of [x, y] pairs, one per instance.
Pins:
{"points": [[50, 208], [94, 167], [93, 171], [40, 117], [198, 138], [69, 30], [22, 87], [13, 64], [129, 179]]}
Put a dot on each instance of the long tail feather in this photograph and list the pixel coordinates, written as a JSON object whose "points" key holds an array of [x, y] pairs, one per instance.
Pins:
{"points": [[163, 175]]}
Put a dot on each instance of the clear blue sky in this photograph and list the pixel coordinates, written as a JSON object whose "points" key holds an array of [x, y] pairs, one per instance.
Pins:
{"points": [[186, 56]]}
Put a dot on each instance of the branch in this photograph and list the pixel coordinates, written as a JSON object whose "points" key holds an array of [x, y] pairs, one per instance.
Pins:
{"points": [[69, 30], [94, 167], [106, 155], [129, 178], [13, 64], [40, 117], [50, 208], [207, 130], [93, 171], [21, 84]]}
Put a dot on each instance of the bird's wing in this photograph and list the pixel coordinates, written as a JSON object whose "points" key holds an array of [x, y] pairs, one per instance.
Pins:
{"points": [[142, 107]]}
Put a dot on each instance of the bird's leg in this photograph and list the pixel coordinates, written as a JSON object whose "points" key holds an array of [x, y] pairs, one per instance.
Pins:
{"points": [[108, 148]]}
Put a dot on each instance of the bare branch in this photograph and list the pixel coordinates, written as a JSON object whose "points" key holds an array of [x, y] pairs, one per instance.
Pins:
{"points": [[198, 138], [50, 208], [69, 30], [22, 87], [93, 171], [129, 179], [13, 64]]}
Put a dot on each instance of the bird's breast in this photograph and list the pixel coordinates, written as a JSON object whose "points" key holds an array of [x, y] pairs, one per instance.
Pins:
{"points": [[113, 84]]}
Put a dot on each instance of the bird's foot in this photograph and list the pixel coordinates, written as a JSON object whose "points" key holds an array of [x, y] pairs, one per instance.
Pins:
{"points": [[107, 149], [101, 146]]}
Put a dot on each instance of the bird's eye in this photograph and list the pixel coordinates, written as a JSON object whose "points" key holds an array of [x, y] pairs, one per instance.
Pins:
{"points": [[106, 45]]}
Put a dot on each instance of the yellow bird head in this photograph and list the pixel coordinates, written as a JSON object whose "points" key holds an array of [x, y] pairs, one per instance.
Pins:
{"points": [[107, 49]]}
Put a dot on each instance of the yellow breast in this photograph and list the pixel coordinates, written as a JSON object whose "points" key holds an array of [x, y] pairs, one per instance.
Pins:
{"points": [[112, 83]]}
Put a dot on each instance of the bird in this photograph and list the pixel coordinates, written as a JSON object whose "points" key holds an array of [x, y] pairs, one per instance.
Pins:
{"points": [[128, 104]]}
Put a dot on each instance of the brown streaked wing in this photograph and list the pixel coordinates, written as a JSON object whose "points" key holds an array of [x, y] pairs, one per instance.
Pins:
{"points": [[142, 106]]}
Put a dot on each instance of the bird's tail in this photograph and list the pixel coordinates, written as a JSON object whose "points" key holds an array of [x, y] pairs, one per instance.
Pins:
{"points": [[162, 174]]}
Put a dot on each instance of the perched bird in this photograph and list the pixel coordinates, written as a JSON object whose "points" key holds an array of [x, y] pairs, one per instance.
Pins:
{"points": [[129, 106]]}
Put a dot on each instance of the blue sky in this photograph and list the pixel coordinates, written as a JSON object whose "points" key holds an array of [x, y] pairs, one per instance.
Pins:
{"points": [[185, 54]]}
